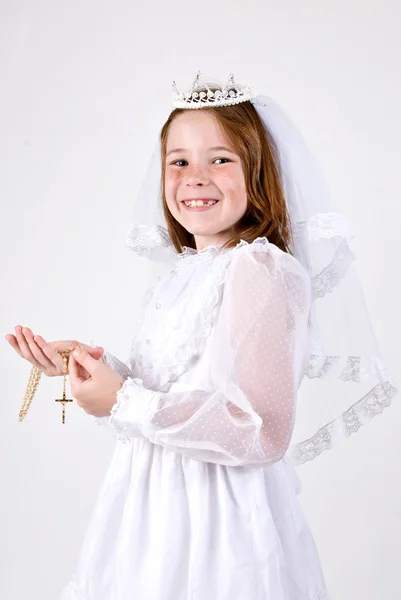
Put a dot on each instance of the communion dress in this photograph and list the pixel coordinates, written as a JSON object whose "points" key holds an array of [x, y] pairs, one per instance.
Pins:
{"points": [[200, 501]]}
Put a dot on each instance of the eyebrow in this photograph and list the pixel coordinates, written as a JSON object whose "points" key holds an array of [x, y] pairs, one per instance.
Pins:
{"points": [[214, 149]]}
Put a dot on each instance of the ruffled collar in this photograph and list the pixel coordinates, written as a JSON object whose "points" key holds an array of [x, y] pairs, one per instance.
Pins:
{"points": [[192, 256], [212, 249]]}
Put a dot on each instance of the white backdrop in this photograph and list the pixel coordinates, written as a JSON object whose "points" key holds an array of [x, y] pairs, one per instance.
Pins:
{"points": [[85, 89]]}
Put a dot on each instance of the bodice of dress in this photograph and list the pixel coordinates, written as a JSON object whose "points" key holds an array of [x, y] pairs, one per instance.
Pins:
{"points": [[179, 314], [216, 362]]}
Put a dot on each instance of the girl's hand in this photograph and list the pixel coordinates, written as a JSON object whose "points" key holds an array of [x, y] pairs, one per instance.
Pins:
{"points": [[94, 385], [43, 355]]}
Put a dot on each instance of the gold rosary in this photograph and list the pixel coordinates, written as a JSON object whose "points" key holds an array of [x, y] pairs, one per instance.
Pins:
{"points": [[33, 382]]}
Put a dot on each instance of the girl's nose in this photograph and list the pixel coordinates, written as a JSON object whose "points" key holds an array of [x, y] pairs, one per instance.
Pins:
{"points": [[196, 175]]}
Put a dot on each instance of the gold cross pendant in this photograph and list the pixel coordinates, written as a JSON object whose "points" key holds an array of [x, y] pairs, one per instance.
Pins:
{"points": [[63, 402]]}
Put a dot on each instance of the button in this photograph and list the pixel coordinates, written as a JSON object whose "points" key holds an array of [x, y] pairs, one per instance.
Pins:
{"points": [[158, 305]]}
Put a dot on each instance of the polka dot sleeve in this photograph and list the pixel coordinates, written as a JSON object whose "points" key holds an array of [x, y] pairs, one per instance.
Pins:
{"points": [[258, 351]]}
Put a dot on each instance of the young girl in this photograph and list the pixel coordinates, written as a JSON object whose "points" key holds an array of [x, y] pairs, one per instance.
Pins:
{"points": [[200, 500]]}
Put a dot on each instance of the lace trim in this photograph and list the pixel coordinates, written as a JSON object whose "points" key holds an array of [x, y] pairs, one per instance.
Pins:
{"points": [[142, 403], [330, 276], [154, 242], [321, 365], [151, 241], [363, 411], [350, 368], [187, 338], [112, 420], [190, 256], [258, 245], [322, 284], [328, 225]]}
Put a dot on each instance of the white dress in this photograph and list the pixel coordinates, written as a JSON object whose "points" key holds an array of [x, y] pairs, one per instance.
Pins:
{"points": [[200, 501]]}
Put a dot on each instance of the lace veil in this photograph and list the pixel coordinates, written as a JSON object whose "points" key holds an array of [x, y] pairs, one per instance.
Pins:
{"points": [[346, 382]]}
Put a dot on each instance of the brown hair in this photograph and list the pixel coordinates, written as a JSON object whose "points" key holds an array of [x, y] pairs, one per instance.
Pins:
{"points": [[266, 214]]}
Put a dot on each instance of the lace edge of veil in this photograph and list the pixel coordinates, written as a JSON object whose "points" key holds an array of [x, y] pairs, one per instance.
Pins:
{"points": [[349, 422]]}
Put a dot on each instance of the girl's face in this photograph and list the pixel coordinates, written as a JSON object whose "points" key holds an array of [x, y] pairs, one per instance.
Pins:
{"points": [[201, 165]]}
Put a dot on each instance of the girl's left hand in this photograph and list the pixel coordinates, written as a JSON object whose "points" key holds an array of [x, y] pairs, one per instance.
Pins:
{"points": [[96, 392]]}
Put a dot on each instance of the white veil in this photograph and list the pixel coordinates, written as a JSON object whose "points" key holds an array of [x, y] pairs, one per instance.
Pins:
{"points": [[346, 382]]}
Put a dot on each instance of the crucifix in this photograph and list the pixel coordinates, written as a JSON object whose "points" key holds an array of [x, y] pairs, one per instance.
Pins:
{"points": [[64, 400]]}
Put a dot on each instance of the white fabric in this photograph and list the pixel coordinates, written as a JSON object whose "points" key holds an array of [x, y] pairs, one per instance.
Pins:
{"points": [[200, 501], [256, 353], [343, 343]]}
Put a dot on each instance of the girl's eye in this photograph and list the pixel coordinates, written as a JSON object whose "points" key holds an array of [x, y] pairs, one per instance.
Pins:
{"points": [[184, 163]]}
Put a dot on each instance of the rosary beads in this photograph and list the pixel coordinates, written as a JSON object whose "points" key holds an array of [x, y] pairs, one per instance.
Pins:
{"points": [[32, 386]]}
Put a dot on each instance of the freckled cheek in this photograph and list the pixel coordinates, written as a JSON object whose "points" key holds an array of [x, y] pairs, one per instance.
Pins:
{"points": [[233, 187], [171, 183]]}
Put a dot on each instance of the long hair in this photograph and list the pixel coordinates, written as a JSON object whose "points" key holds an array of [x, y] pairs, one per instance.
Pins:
{"points": [[266, 214]]}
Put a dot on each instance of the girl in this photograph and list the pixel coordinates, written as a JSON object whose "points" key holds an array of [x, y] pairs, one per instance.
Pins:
{"points": [[200, 500]]}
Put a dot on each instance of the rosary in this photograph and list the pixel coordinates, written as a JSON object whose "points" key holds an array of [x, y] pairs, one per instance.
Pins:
{"points": [[33, 382]]}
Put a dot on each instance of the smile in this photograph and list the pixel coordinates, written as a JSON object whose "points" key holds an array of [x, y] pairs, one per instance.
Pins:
{"points": [[199, 204]]}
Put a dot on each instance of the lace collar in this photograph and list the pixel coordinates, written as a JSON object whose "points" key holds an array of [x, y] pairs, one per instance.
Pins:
{"points": [[191, 256]]}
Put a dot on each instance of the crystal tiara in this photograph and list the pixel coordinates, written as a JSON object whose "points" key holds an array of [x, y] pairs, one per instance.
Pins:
{"points": [[200, 95]]}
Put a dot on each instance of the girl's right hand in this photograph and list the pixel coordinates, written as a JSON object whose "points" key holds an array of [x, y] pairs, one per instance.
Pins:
{"points": [[43, 355]]}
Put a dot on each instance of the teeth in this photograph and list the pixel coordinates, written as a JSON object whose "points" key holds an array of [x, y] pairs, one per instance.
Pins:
{"points": [[197, 203]]}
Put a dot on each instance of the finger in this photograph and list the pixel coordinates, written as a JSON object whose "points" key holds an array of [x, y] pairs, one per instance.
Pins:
{"points": [[24, 347], [41, 358], [92, 351], [49, 352], [75, 375], [12, 340], [96, 352], [85, 360], [99, 353]]}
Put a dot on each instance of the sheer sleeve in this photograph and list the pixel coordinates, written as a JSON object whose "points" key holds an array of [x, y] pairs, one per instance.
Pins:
{"points": [[114, 363], [259, 343]]}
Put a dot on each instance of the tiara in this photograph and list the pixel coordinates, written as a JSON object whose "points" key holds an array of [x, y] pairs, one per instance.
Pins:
{"points": [[226, 95]]}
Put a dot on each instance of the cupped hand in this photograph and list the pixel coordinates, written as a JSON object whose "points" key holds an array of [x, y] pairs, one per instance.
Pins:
{"points": [[94, 385], [44, 355]]}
